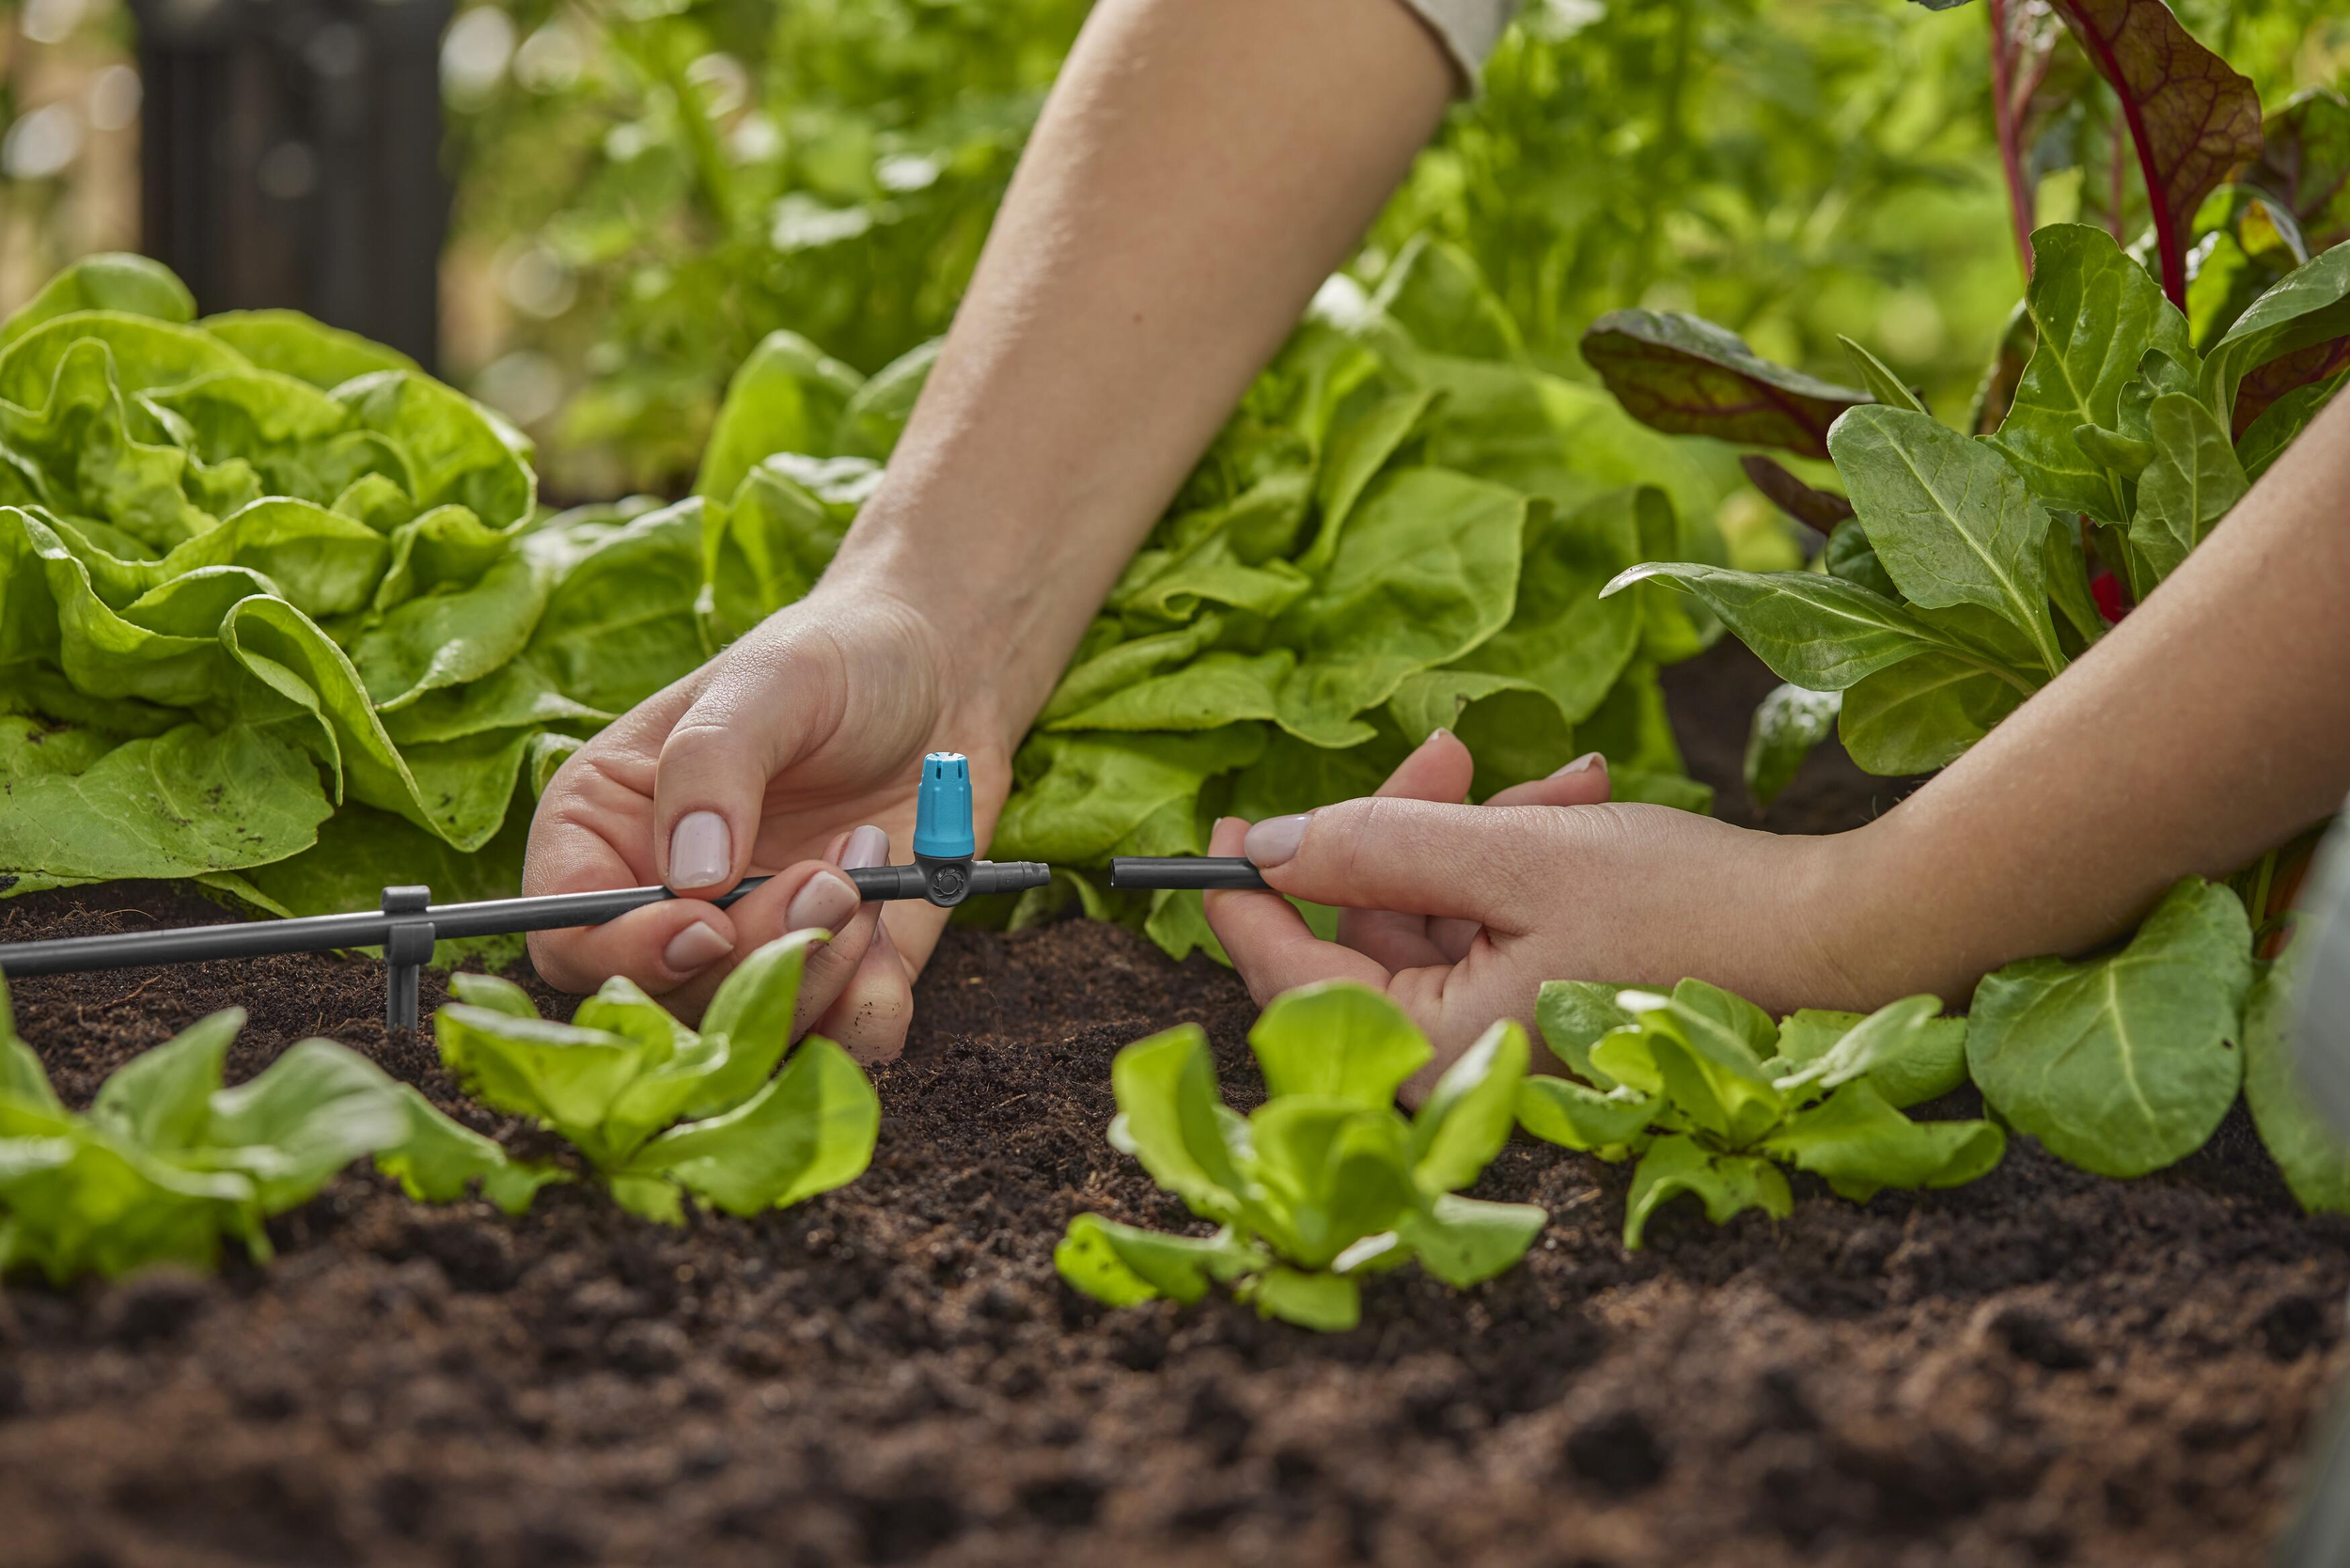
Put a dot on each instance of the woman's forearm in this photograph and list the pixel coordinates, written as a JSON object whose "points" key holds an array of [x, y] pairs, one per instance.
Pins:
{"points": [[2210, 726], [1199, 169]]}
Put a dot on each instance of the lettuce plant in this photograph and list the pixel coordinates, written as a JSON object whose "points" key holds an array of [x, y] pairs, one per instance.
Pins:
{"points": [[279, 609], [167, 1161], [1712, 1097], [660, 1110], [1403, 526], [1326, 1181]]}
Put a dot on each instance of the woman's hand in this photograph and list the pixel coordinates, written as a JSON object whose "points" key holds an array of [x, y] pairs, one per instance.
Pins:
{"points": [[1460, 913], [794, 752]]}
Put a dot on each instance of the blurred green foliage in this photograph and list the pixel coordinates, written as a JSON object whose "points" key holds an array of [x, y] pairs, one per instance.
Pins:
{"points": [[660, 185], [652, 185]]}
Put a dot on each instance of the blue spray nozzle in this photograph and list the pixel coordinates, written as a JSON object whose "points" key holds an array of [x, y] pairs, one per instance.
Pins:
{"points": [[942, 810]]}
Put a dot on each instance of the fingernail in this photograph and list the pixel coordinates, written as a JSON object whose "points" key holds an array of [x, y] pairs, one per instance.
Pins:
{"points": [[696, 946], [868, 846], [1433, 734], [827, 900], [1271, 841], [700, 851], [1584, 763]]}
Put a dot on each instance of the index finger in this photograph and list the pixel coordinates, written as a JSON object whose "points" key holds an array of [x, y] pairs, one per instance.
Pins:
{"points": [[1270, 943]]}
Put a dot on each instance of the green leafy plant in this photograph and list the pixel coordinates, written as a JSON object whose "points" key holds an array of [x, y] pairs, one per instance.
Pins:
{"points": [[652, 190], [1712, 1097], [1325, 1183], [279, 610], [2138, 394], [2131, 403], [1404, 526], [1964, 581], [168, 1162], [658, 1109]]}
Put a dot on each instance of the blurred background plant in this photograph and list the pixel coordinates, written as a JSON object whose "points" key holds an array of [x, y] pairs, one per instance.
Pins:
{"points": [[649, 187], [68, 138], [646, 187]]}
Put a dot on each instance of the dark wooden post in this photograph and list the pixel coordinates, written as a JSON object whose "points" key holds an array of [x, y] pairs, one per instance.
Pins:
{"points": [[291, 155]]}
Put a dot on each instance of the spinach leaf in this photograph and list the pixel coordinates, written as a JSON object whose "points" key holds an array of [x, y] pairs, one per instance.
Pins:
{"points": [[1326, 1181], [1923, 713], [2190, 484], [1952, 523], [2123, 1064], [1883, 384], [2095, 313], [2294, 326], [1814, 631]]}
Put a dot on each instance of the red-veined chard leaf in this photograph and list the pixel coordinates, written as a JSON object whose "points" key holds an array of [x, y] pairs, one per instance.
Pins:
{"points": [[2034, 76], [2191, 117], [1815, 508], [1686, 376]]}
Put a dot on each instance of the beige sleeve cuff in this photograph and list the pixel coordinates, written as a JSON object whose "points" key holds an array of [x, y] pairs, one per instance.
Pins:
{"points": [[1468, 29]]}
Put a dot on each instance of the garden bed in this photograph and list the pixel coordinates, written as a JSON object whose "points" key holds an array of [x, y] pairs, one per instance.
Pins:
{"points": [[2043, 1367]]}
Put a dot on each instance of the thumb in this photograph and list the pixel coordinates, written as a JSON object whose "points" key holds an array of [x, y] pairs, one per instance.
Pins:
{"points": [[710, 786], [1415, 857]]}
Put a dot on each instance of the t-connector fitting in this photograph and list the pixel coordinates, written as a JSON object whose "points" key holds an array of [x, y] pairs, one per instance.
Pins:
{"points": [[943, 841], [944, 872]]}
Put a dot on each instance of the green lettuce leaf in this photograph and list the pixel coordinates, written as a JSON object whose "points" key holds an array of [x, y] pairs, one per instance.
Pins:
{"points": [[1325, 1180]]}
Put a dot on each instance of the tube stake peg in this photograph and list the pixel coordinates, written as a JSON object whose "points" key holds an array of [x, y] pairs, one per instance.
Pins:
{"points": [[407, 947]]}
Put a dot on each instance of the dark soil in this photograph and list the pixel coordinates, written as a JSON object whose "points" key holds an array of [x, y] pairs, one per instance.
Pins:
{"points": [[2042, 1368]]}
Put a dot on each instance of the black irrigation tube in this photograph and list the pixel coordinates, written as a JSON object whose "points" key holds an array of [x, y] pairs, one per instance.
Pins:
{"points": [[942, 872], [408, 923]]}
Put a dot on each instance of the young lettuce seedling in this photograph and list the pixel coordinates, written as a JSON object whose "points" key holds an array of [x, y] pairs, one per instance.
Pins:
{"points": [[661, 1110], [1712, 1097], [1326, 1181], [167, 1160]]}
